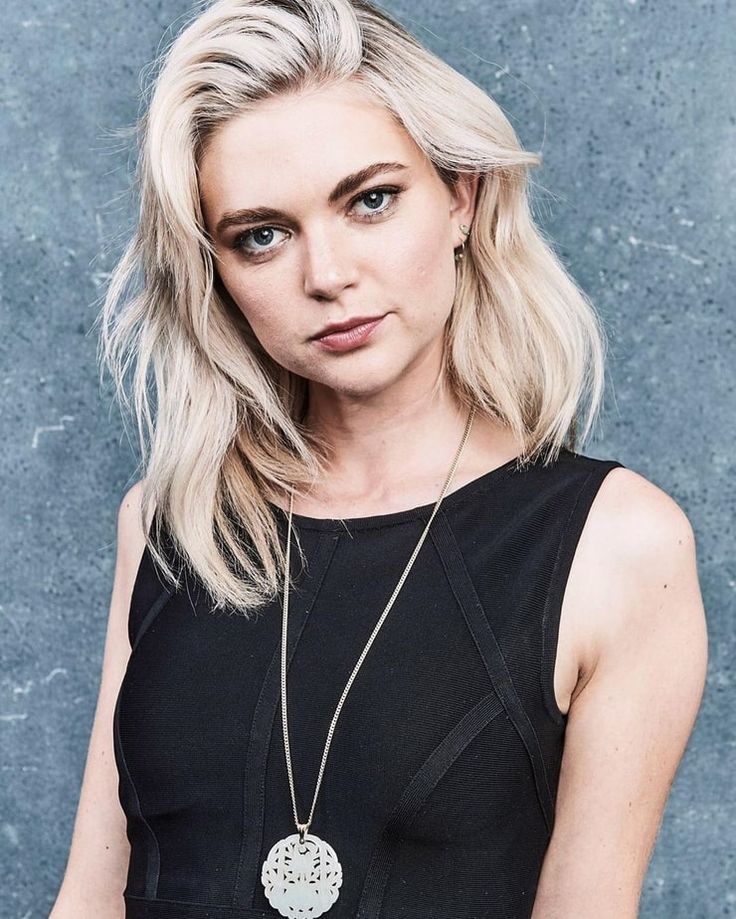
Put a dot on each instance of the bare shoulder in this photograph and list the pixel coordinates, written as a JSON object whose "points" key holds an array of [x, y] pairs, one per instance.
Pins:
{"points": [[132, 530], [639, 529], [641, 513], [636, 567], [130, 520], [132, 499]]}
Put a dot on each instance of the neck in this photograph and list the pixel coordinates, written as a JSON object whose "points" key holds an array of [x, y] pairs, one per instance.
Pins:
{"points": [[385, 456]]}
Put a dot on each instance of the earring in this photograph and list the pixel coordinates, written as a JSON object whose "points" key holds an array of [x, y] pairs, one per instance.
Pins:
{"points": [[460, 254]]}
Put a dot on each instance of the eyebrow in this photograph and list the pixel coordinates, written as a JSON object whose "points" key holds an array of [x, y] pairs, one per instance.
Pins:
{"points": [[343, 188]]}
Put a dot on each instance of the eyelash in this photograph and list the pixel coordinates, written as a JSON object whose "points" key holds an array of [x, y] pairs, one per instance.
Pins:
{"points": [[395, 191]]}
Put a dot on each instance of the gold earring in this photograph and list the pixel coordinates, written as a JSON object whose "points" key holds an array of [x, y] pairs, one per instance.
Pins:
{"points": [[465, 230]]}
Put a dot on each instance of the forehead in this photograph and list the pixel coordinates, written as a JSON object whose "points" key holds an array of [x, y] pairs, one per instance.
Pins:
{"points": [[302, 142]]}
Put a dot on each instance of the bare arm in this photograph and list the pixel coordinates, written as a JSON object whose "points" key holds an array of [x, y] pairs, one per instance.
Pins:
{"points": [[630, 720], [97, 866]]}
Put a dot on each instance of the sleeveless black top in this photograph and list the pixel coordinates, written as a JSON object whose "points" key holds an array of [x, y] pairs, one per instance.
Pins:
{"points": [[438, 794]]}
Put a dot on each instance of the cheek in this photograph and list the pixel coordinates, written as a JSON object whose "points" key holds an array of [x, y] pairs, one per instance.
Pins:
{"points": [[428, 275], [256, 301], [264, 306]]}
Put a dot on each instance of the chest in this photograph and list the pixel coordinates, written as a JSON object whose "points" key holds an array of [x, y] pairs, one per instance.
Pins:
{"points": [[435, 749]]}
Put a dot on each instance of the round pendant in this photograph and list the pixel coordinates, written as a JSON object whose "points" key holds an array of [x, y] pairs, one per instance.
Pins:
{"points": [[301, 879]]}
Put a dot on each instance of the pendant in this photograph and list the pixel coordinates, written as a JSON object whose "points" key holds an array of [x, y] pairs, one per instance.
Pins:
{"points": [[301, 879]]}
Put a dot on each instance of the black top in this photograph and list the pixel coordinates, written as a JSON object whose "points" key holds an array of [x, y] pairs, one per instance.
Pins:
{"points": [[439, 788]]}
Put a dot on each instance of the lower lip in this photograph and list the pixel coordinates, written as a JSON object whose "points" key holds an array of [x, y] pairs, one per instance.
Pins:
{"points": [[350, 338]]}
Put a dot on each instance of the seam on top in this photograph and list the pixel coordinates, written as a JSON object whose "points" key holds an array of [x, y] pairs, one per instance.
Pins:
{"points": [[154, 609], [153, 853], [414, 796], [592, 483], [553, 593], [481, 629]]}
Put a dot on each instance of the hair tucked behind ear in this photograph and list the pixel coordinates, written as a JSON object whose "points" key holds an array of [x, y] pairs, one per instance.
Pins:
{"points": [[225, 435]]}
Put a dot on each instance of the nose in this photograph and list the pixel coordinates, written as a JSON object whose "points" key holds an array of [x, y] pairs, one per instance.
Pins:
{"points": [[329, 265]]}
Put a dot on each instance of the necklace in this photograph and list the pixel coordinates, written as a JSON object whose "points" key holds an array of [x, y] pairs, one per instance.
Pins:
{"points": [[302, 874]]}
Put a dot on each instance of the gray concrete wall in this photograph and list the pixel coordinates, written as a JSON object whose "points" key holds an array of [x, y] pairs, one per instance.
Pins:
{"points": [[632, 105]]}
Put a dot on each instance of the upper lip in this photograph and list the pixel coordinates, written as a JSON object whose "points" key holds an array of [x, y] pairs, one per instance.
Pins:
{"points": [[344, 326]]}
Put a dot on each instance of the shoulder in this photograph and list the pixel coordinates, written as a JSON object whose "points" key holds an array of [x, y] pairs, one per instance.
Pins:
{"points": [[638, 554], [132, 529], [641, 518], [647, 533], [131, 502]]}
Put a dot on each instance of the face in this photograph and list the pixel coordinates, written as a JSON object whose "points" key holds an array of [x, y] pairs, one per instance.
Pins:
{"points": [[310, 232]]}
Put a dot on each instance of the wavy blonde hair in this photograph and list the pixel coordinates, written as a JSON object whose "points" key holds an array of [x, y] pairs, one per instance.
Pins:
{"points": [[523, 343]]}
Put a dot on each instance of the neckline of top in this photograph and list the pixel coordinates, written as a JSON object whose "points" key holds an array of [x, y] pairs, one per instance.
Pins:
{"points": [[451, 500]]}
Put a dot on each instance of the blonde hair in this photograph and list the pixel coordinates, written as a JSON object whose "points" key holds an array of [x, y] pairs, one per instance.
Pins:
{"points": [[226, 436]]}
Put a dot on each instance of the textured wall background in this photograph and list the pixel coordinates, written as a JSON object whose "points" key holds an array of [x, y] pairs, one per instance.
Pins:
{"points": [[632, 105]]}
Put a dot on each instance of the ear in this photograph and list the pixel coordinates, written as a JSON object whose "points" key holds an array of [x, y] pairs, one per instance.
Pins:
{"points": [[463, 199]]}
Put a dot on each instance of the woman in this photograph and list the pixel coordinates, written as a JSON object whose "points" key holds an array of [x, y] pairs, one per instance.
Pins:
{"points": [[470, 696]]}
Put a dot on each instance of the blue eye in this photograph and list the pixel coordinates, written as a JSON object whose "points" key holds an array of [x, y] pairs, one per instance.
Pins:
{"points": [[258, 233], [394, 192]]}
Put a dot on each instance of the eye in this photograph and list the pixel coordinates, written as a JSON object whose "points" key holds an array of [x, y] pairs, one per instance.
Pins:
{"points": [[265, 234], [383, 191], [257, 235]]}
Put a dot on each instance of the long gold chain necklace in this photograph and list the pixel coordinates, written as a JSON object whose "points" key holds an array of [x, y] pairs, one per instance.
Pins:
{"points": [[302, 874]]}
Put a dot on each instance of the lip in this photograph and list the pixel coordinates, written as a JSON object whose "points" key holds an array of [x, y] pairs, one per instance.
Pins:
{"points": [[345, 326], [345, 339]]}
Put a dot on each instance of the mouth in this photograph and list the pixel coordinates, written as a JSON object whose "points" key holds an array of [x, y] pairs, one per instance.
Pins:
{"points": [[345, 339], [348, 325]]}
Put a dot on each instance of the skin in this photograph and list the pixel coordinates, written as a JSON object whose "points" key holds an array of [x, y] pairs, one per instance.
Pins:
{"points": [[632, 650]]}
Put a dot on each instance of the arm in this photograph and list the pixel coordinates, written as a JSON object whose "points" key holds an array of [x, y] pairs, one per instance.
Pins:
{"points": [[97, 867], [634, 709]]}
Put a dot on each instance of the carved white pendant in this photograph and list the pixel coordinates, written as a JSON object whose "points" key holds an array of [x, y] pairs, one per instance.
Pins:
{"points": [[302, 880]]}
